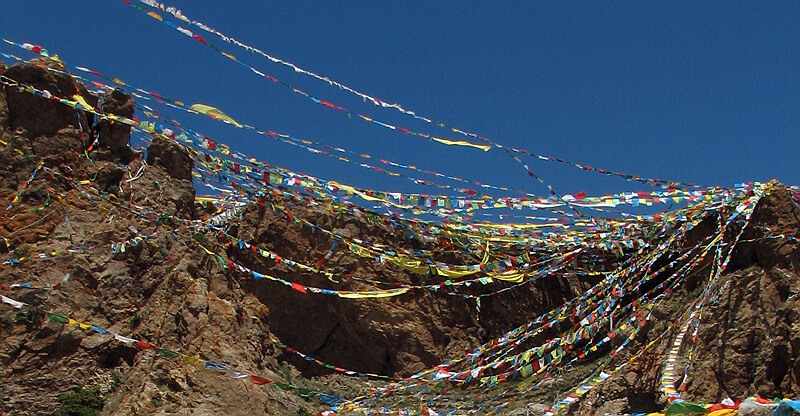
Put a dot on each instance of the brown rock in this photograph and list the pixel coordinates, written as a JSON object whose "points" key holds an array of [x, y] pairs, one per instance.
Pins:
{"points": [[116, 136], [171, 157], [36, 115]]}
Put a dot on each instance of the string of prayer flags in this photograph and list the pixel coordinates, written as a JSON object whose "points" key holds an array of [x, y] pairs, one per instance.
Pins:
{"points": [[634, 201], [166, 353], [329, 399], [668, 374], [21, 191], [366, 97], [215, 113], [552, 358]]}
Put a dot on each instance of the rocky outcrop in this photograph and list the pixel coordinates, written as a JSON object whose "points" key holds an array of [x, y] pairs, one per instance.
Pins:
{"points": [[747, 342], [397, 336], [59, 233], [34, 117], [115, 136]]}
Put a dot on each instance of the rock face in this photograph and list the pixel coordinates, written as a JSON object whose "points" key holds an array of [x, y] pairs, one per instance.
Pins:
{"points": [[396, 336], [115, 136], [61, 228], [750, 343], [34, 117], [747, 342], [107, 230]]}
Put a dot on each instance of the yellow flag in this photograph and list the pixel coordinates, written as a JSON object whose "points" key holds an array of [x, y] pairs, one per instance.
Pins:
{"points": [[214, 113], [367, 295], [191, 360], [510, 277], [484, 147], [82, 102]]}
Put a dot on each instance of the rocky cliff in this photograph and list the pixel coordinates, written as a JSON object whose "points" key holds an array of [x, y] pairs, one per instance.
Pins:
{"points": [[167, 305], [747, 342]]}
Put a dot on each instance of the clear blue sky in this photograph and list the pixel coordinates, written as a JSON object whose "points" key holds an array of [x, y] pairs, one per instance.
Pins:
{"points": [[706, 93]]}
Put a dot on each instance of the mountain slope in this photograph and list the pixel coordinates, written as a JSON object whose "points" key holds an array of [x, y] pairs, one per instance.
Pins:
{"points": [[172, 304]]}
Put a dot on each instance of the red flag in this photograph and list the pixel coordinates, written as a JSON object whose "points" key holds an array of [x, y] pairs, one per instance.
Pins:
{"points": [[259, 380], [298, 287], [144, 345]]}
